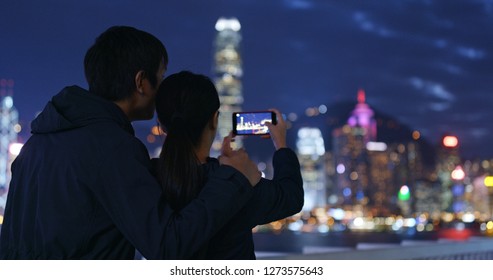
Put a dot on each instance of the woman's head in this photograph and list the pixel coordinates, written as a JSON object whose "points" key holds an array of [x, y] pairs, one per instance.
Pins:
{"points": [[186, 103]]}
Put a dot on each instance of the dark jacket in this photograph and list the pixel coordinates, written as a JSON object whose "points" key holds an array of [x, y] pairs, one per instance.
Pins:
{"points": [[82, 189], [272, 200]]}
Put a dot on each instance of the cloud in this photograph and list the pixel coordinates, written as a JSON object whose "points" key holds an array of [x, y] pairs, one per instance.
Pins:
{"points": [[298, 4], [368, 25], [431, 88], [435, 91], [470, 53], [480, 132], [450, 68], [487, 6], [439, 107], [298, 45], [440, 22], [470, 117], [440, 43]]}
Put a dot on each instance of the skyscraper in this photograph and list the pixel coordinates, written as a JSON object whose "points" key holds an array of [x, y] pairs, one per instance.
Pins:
{"points": [[380, 175], [351, 156], [9, 128], [352, 165], [311, 150], [227, 77], [448, 158]]}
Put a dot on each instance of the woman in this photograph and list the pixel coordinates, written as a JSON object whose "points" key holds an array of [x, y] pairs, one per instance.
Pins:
{"points": [[187, 107]]}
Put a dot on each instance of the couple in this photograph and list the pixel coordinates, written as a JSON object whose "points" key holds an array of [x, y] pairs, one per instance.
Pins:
{"points": [[83, 187]]}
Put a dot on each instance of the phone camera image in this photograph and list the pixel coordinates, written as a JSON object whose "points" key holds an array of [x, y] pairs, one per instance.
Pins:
{"points": [[252, 123]]}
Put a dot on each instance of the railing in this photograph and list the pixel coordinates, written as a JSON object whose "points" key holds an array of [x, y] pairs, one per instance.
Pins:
{"points": [[476, 248]]}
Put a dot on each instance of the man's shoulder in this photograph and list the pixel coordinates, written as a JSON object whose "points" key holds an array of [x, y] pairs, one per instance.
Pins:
{"points": [[112, 132]]}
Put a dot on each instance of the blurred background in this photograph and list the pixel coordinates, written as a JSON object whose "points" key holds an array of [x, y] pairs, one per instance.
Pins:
{"points": [[388, 103]]}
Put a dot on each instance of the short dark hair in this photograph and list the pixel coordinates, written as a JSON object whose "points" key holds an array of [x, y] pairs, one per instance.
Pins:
{"points": [[116, 56]]}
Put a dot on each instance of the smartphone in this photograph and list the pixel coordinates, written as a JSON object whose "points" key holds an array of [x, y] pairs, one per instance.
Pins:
{"points": [[252, 123]]}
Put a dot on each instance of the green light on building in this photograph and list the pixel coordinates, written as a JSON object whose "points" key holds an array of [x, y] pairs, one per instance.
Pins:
{"points": [[404, 193]]}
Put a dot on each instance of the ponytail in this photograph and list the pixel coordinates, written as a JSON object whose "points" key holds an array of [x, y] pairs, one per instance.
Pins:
{"points": [[185, 103], [179, 170]]}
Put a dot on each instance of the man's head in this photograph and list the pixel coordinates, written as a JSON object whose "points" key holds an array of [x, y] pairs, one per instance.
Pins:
{"points": [[126, 64]]}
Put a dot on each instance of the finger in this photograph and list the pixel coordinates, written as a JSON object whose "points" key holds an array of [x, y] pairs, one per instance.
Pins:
{"points": [[279, 117], [271, 127], [231, 136], [226, 146], [226, 141]]}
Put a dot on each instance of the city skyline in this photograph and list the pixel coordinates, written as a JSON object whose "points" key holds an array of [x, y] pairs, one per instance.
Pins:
{"points": [[424, 62]]}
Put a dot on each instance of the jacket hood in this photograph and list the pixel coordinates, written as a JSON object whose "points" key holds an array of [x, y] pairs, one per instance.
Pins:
{"points": [[75, 107]]}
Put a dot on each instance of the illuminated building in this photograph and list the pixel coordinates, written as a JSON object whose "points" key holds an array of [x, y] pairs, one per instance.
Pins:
{"points": [[380, 178], [351, 157], [351, 161], [311, 150], [475, 197], [227, 78], [9, 128], [448, 158], [362, 117], [374, 178], [481, 197], [330, 186], [427, 199], [401, 175], [479, 187]]}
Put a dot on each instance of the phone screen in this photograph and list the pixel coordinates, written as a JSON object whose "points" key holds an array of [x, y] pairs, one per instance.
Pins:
{"points": [[252, 123]]}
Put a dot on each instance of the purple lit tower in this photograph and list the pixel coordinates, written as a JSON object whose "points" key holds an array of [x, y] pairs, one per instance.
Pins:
{"points": [[362, 116]]}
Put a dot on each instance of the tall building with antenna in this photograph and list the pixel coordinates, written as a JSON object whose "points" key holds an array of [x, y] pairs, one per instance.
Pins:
{"points": [[352, 158], [227, 71]]}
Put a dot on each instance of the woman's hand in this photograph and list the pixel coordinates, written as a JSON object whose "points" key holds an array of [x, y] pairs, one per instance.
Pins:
{"points": [[278, 131], [239, 160]]}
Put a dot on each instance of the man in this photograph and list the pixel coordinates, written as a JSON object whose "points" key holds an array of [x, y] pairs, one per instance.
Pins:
{"points": [[81, 187]]}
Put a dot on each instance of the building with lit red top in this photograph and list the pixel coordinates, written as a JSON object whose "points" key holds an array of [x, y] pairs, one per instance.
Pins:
{"points": [[369, 174], [363, 117]]}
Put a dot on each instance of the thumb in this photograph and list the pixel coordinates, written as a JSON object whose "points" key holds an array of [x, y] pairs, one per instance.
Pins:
{"points": [[269, 126]]}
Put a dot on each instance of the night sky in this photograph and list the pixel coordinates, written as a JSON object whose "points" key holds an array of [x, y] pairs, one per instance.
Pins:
{"points": [[426, 63]]}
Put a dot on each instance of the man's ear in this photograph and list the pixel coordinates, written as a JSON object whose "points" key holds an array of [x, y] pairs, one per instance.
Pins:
{"points": [[214, 120], [139, 81]]}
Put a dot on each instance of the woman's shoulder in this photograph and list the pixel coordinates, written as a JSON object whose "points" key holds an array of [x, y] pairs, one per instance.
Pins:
{"points": [[210, 165]]}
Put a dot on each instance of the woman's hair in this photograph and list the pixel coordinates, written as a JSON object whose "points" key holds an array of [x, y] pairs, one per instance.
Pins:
{"points": [[185, 103]]}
